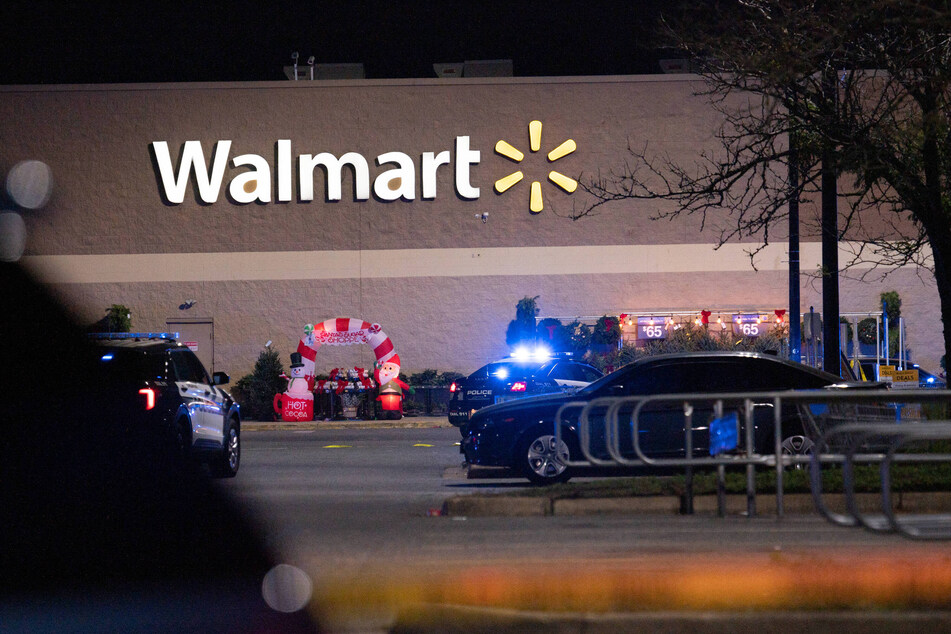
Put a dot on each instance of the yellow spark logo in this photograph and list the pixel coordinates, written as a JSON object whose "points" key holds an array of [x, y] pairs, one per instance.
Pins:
{"points": [[536, 204]]}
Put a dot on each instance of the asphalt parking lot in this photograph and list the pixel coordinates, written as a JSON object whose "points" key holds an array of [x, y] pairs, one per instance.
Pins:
{"points": [[350, 501]]}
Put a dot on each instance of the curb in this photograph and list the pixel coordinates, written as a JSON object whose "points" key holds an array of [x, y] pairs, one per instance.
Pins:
{"points": [[427, 422], [451, 619], [793, 504]]}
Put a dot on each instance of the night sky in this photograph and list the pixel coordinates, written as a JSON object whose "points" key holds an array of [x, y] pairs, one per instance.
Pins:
{"points": [[106, 42]]}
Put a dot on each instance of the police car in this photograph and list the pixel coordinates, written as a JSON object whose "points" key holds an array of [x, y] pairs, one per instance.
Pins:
{"points": [[525, 373], [161, 382]]}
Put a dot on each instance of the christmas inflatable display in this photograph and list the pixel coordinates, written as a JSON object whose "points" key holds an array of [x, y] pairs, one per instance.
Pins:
{"points": [[391, 387], [344, 332], [351, 386], [297, 403]]}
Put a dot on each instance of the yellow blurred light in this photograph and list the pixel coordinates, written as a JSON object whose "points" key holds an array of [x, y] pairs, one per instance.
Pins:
{"points": [[564, 149], [566, 183], [536, 204], [504, 183], [535, 135], [508, 151]]}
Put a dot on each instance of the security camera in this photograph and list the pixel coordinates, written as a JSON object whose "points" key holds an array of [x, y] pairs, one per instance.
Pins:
{"points": [[310, 60], [294, 56], [268, 344]]}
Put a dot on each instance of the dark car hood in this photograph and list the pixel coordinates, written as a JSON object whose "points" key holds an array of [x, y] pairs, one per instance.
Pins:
{"points": [[858, 385], [546, 402]]}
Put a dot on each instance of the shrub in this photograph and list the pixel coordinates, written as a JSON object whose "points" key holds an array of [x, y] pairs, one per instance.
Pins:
{"points": [[691, 338], [522, 328], [607, 331], [614, 359], [848, 330], [255, 392], [892, 303], [433, 378], [119, 318], [446, 378], [867, 334], [577, 336], [552, 332]]}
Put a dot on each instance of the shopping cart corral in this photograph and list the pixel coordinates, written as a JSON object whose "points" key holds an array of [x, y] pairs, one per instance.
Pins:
{"points": [[774, 430]]}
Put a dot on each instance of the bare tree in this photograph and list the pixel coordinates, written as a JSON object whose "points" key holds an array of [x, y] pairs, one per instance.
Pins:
{"points": [[766, 66]]}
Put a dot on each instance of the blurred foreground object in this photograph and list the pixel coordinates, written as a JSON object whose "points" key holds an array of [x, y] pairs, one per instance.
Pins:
{"points": [[103, 531]]}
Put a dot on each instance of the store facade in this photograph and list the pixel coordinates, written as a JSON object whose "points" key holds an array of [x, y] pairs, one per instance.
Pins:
{"points": [[274, 205]]}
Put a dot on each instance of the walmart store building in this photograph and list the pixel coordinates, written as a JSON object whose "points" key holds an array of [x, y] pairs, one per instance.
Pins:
{"points": [[273, 205]]}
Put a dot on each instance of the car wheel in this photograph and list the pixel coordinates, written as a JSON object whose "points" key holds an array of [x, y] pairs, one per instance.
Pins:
{"points": [[226, 465], [543, 459], [798, 446], [180, 444]]}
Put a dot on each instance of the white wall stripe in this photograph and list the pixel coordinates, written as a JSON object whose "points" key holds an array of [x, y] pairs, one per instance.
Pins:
{"points": [[409, 263]]}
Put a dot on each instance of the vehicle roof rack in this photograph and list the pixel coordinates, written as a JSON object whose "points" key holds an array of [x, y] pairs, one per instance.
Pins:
{"points": [[171, 336]]}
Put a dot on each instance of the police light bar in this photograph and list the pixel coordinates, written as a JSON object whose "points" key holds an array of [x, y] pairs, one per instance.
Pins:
{"points": [[539, 353]]}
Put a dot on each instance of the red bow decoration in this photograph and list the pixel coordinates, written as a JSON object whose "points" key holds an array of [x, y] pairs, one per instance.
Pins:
{"points": [[705, 316], [608, 325], [780, 313]]}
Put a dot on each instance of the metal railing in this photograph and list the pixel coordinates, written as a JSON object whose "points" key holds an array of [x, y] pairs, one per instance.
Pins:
{"points": [[842, 423], [427, 400]]}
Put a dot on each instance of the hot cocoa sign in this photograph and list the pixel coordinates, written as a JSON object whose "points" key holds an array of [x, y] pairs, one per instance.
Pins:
{"points": [[296, 409]]}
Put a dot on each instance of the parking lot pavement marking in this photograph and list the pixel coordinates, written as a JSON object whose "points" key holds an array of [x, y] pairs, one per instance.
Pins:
{"points": [[422, 444], [338, 446]]}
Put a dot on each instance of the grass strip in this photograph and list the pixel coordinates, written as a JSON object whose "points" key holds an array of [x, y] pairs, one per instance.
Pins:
{"points": [[905, 478]]}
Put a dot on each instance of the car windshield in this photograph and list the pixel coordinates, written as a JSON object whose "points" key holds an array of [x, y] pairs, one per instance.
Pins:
{"points": [[607, 379]]}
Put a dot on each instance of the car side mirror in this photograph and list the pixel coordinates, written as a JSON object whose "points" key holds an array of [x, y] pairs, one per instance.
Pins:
{"points": [[220, 378]]}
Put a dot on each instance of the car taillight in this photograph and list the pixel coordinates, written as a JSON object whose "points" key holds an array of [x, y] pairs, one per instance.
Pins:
{"points": [[519, 386], [453, 387], [149, 394]]}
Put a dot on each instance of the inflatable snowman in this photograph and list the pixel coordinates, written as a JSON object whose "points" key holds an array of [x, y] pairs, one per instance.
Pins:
{"points": [[297, 403]]}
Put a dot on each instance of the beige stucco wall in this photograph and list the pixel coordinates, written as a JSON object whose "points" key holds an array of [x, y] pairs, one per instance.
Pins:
{"points": [[442, 283]]}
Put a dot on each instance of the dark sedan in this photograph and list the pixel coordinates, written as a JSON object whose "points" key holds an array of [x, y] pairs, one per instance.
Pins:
{"points": [[520, 434]]}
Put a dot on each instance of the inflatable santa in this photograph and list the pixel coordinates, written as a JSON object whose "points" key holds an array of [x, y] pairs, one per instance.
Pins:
{"points": [[391, 387]]}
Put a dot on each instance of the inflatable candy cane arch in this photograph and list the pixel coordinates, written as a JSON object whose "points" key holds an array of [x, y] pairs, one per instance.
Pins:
{"points": [[344, 332]]}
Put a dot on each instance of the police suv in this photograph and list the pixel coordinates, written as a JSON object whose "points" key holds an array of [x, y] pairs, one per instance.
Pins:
{"points": [[520, 375], [161, 382]]}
